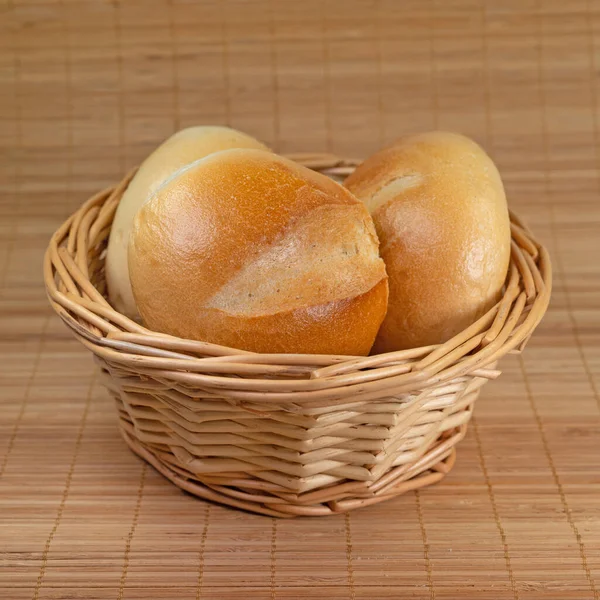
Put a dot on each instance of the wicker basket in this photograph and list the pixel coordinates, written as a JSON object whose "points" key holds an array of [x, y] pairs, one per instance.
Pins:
{"points": [[284, 434]]}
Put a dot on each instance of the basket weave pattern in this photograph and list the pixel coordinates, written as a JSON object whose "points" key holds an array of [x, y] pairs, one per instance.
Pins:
{"points": [[281, 434]]}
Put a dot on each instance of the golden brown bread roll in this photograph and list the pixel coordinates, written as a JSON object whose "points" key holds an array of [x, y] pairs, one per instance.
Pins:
{"points": [[250, 250], [180, 149], [440, 212]]}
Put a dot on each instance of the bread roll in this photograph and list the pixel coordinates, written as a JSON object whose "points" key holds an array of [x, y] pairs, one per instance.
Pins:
{"points": [[250, 250], [180, 149], [440, 212]]}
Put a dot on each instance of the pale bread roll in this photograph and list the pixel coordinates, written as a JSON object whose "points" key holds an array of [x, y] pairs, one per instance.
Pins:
{"points": [[250, 250], [440, 211], [180, 149]]}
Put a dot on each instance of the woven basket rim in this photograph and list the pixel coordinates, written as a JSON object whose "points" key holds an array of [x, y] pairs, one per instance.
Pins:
{"points": [[72, 262]]}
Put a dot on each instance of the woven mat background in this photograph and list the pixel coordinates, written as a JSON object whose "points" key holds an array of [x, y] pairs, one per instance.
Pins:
{"points": [[89, 87]]}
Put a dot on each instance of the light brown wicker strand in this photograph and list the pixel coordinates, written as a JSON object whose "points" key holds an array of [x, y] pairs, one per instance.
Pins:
{"points": [[275, 384], [281, 434]]}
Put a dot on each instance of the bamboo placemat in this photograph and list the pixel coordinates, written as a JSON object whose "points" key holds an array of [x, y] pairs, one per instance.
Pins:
{"points": [[88, 88]]}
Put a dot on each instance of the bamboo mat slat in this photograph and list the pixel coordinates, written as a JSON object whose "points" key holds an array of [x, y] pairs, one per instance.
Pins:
{"points": [[88, 88]]}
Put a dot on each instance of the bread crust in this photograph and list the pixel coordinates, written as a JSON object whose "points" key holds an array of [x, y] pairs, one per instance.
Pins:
{"points": [[250, 250], [181, 148], [440, 212]]}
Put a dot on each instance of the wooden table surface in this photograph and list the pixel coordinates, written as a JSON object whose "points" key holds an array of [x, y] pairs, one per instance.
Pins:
{"points": [[88, 88]]}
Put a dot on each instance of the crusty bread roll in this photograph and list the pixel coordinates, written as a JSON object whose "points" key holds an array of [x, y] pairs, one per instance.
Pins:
{"points": [[250, 250], [440, 212], [180, 149]]}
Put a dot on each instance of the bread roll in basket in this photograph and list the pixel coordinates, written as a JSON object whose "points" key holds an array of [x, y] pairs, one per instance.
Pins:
{"points": [[288, 434]]}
